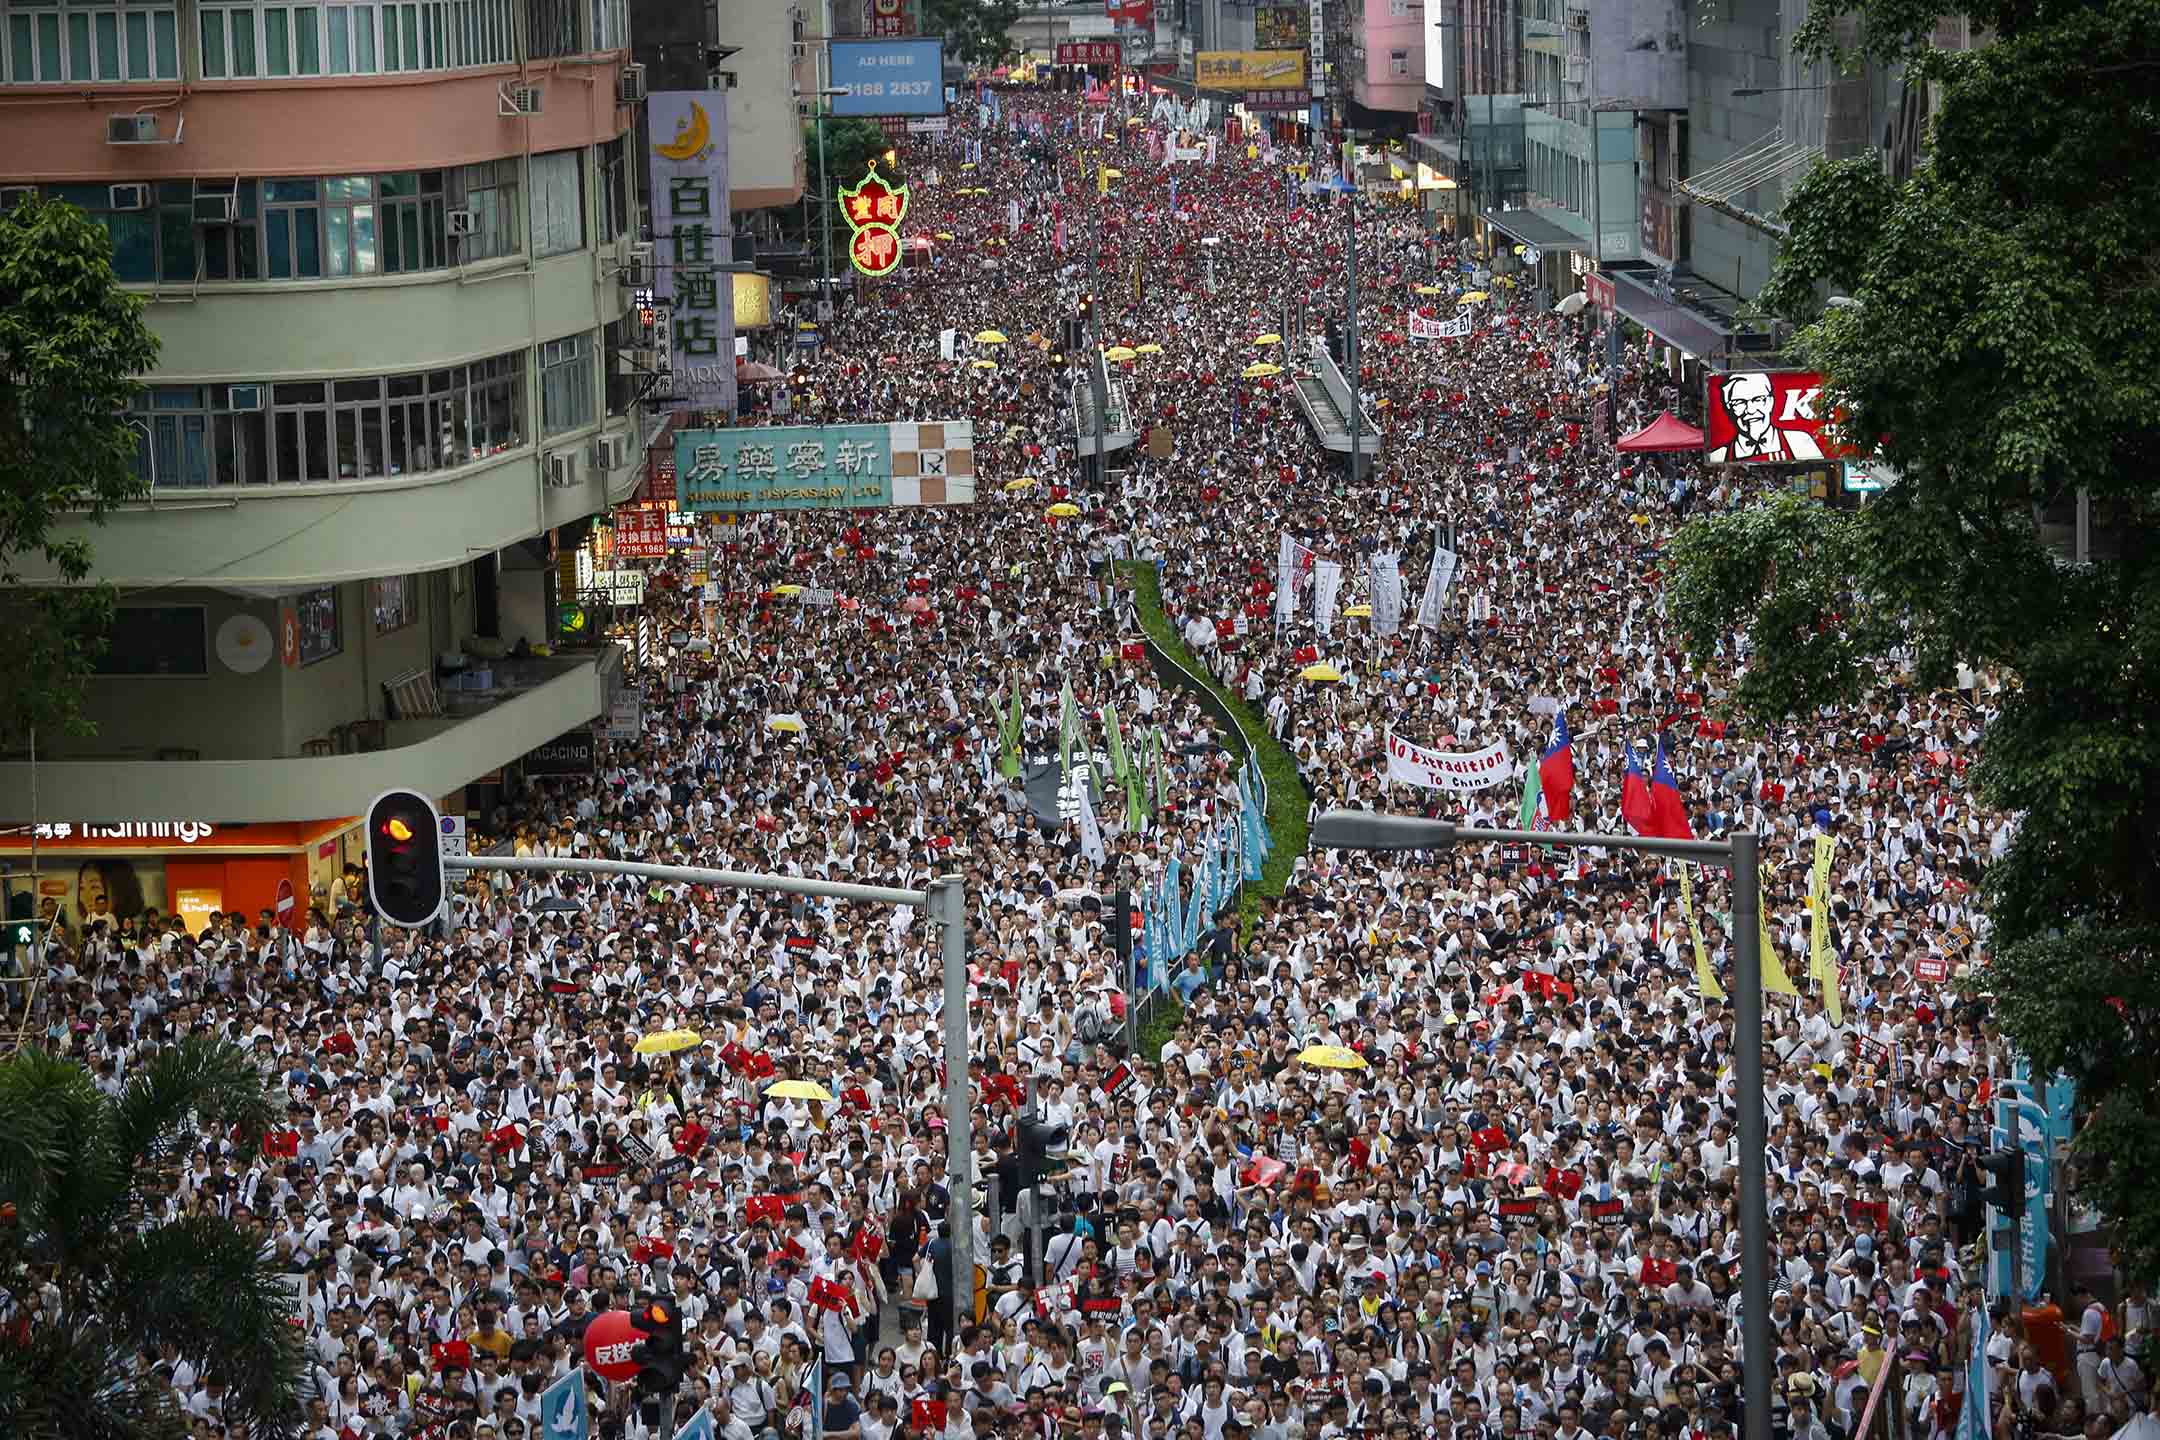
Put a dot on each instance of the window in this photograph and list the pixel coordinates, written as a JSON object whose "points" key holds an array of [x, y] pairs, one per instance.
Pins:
{"points": [[232, 251], [320, 635], [557, 216], [349, 236], [156, 640], [611, 26], [1398, 9], [566, 384], [292, 217], [91, 40], [613, 208], [552, 26], [490, 191], [274, 37], [1398, 64], [413, 237], [394, 602], [302, 432]]}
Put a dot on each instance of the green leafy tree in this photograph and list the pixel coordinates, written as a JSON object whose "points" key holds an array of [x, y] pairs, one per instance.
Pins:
{"points": [[977, 32], [99, 1276], [71, 344], [1997, 332]]}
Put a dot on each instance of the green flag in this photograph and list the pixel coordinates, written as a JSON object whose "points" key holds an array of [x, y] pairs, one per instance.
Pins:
{"points": [[1068, 731], [1526, 818], [1121, 765], [1009, 736]]}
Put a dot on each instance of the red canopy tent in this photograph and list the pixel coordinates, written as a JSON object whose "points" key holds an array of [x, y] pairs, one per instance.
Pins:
{"points": [[1667, 432]]}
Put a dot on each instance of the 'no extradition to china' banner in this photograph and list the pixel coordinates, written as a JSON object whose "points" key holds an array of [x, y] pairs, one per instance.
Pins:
{"points": [[1441, 770], [825, 467]]}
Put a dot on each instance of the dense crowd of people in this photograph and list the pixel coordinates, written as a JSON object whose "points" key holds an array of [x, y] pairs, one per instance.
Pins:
{"points": [[1515, 1220]]}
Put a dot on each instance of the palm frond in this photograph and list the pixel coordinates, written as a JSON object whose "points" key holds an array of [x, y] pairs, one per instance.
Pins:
{"points": [[75, 1380], [203, 1285], [186, 1089], [67, 1199], [37, 1092]]}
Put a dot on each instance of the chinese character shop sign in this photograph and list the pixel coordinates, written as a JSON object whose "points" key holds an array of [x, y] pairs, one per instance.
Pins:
{"points": [[874, 210], [690, 240], [837, 467]]}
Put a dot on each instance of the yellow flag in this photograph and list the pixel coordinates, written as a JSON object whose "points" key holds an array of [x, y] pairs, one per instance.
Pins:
{"points": [[1102, 180], [1706, 981], [1821, 967]]}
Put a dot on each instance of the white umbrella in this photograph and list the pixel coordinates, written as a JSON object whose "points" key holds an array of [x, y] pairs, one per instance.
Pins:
{"points": [[1571, 304]]}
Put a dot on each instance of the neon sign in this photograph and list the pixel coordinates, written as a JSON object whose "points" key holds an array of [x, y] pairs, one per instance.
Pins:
{"points": [[874, 210]]}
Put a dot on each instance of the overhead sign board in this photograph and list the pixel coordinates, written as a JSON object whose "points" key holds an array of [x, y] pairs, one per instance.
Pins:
{"points": [[893, 76], [689, 179], [826, 467], [1249, 70], [1869, 477]]}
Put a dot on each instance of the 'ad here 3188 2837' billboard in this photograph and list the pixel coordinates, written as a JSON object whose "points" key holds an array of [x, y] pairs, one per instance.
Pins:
{"points": [[889, 76]]}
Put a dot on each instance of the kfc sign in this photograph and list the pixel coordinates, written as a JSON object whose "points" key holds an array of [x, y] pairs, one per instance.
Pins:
{"points": [[1768, 417]]}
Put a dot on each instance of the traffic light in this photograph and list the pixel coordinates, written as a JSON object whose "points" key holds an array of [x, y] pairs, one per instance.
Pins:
{"points": [[1121, 933], [405, 864], [2006, 1180], [660, 1357], [1038, 1141]]}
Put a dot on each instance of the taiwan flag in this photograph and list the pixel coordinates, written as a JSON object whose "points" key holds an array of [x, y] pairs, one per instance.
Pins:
{"points": [[1668, 812], [1635, 805], [1556, 772]]}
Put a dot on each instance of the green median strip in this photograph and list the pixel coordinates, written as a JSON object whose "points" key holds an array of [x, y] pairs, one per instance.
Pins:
{"points": [[1286, 803]]}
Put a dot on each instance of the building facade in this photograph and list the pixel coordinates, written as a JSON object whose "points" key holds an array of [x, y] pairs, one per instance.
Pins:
{"points": [[389, 250]]}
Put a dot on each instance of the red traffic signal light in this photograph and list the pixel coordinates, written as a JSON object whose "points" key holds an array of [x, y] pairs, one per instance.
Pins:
{"points": [[405, 863]]}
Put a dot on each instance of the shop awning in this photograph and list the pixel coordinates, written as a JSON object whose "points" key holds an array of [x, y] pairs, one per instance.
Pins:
{"points": [[1445, 150], [1667, 432], [1679, 320], [1538, 227]]}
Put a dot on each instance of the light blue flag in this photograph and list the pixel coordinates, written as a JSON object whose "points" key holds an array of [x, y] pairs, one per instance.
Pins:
{"points": [[1974, 1416], [1196, 911], [697, 1427], [563, 1408], [1255, 830], [1226, 865]]}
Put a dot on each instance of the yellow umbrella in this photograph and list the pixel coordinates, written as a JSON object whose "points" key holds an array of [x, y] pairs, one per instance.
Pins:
{"points": [[1120, 352], [787, 589], [1271, 338], [1026, 482], [1321, 674], [800, 1090], [944, 234], [1331, 1057], [1151, 348], [787, 723], [989, 337], [1064, 510], [1134, 120], [1428, 289], [667, 1042], [967, 165], [1475, 297], [983, 364], [1359, 612], [1260, 371]]}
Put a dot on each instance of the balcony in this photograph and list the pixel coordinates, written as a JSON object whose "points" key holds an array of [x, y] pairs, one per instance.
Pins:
{"points": [[532, 702]]}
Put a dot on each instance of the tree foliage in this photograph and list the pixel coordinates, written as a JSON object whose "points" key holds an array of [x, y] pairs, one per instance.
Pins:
{"points": [[71, 344], [977, 32], [78, 1171], [2004, 353]]}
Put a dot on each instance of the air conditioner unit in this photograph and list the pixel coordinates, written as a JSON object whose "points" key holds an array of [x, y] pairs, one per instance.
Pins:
{"points": [[611, 453], [131, 129], [630, 85], [637, 270], [216, 209], [130, 197], [460, 223], [14, 195], [244, 397], [562, 470], [519, 100]]}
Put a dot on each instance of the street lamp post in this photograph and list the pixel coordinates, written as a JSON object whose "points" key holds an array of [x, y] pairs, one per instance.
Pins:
{"points": [[1368, 830], [1350, 336], [825, 199]]}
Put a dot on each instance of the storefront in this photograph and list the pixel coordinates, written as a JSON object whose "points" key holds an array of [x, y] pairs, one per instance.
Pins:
{"points": [[130, 868]]}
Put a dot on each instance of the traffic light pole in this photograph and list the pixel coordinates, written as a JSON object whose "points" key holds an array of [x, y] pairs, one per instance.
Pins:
{"points": [[945, 903]]}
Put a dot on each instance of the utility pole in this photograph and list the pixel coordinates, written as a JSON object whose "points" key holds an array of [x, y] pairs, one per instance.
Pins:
{"points": [[825, 191], [1098, 374], [1357, 398]]}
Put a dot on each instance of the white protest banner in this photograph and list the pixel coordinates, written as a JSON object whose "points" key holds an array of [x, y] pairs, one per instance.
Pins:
{"points": [[1442, 770], [1327, 581], [1291, 561], [1437, 581], [1386, 595], [948, 344], [1455, 327]]}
